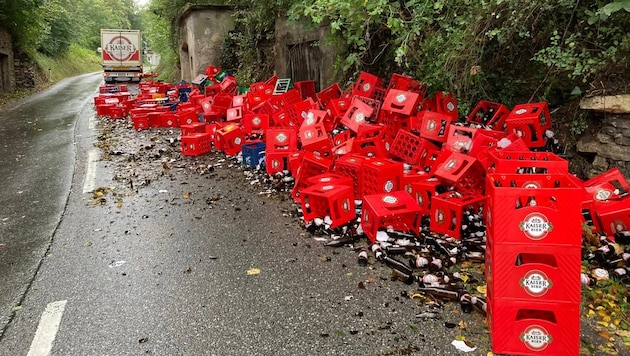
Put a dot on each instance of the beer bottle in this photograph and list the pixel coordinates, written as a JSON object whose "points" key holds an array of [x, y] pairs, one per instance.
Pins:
{"points": [[440, 293], [465, 302], [622, 237], [480, 304], [378, 252], [395, 264], [362, 258], [407, 278]]}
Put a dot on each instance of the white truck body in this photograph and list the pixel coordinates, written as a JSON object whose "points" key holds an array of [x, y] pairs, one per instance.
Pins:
{"points": [[121, 55]]}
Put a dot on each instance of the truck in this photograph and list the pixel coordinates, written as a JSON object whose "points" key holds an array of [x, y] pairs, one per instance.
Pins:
{"points": [[121, 55]]}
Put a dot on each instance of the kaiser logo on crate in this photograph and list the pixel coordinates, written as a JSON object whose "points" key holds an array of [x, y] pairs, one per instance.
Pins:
{"points": [[536, 226], [389, 186], [603, 194], [431, 125], [531, 185], [390, 199], [536, 338], [281, 137], [346, 205], [536, 283], [450, 165]]}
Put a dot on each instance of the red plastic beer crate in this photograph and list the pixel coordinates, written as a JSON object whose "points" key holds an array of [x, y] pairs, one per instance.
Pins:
{"points": [[326, 95], [357, 114], [329, 178], [463, 172], [529, 121], [231, 139], [196, 144], [434, 159], [234, 114], [460, 138], [396, 210], [447, 211], [432, 125], [534, 273], [410, 148], [401, 102], [338, 107], [614, 216], [186, 117], [328, 199], [446, 104], [255, 123], [423, 191], [607, 186], [366, 85], [306, 88], [489, 113], [277, 161], [528, 208], [370, 147], [141, 122], [281, 139], [526, 162], [169, 119], [403, 82], [192, 128], [380, 175], [314, 137], [350, 166], [533, 328], [310, 165]]}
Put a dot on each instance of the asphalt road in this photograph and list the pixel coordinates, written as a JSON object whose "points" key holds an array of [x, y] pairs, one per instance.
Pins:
{"points": [[178, 255]]}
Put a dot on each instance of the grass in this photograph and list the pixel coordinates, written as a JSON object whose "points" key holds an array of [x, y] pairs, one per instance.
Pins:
{"points": [[77, 60]]}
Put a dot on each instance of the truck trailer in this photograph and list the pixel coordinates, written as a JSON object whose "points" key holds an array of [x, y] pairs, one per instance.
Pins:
{"points": [[121, 55]]}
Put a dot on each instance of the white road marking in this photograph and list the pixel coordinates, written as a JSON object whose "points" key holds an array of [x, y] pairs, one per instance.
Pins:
{"points": [[47, 329], [91, 122], [90, 173]]}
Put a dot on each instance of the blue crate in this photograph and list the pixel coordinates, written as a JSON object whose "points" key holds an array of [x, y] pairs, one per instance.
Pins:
{"points": [[253, 153]]}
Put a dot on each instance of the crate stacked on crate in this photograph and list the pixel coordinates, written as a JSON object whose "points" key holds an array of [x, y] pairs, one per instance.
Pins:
{"points": [[533, 255]]}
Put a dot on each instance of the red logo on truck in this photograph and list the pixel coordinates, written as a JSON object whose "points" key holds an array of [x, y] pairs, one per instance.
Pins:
{"points": [[121, 49]]}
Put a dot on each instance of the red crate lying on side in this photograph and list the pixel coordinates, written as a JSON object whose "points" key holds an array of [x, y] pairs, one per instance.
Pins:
{"points": [[396, 210]]}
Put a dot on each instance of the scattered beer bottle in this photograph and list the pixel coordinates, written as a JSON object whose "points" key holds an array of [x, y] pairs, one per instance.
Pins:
{"points": [[465, 302], [378, 252], [622, 237], [395, 264], [406, 278], [587, 279], [441, 293], [362, 258], [480, 304]]}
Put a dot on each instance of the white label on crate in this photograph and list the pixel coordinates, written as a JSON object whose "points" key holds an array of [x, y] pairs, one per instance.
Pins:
{"points": [[310, 120], [450, 106], [237, 140], [275, 163], [536, 283], [401, 98], [389, 199], [389, 186], [536, 338], [360, 117], [419, 199], [521, 111], [308, 134], [366, 87], [531, 185], [536, 226], [281, 137], [431, 125], [439, 216], [450, 165], [325, 180], [602, 194], [346, 205], [256, 121], [328, 187]]}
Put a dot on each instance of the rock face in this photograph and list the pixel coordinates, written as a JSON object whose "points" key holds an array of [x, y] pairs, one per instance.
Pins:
{"points": [[611, 145], [614, 104]]}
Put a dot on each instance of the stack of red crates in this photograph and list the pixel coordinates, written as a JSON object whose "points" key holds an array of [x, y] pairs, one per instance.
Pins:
{"points": [[533, 259]]}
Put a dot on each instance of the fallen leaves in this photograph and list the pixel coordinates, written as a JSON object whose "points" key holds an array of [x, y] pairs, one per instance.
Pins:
{"points": [[253, 271]]}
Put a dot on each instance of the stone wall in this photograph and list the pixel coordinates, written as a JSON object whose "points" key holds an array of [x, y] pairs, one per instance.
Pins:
{"points": [[7, 79], [202, 32], [610, 146]]}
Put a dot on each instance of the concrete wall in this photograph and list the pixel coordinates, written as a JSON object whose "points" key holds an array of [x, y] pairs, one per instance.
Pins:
{"points": [[202, 31], [7, 77]]}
